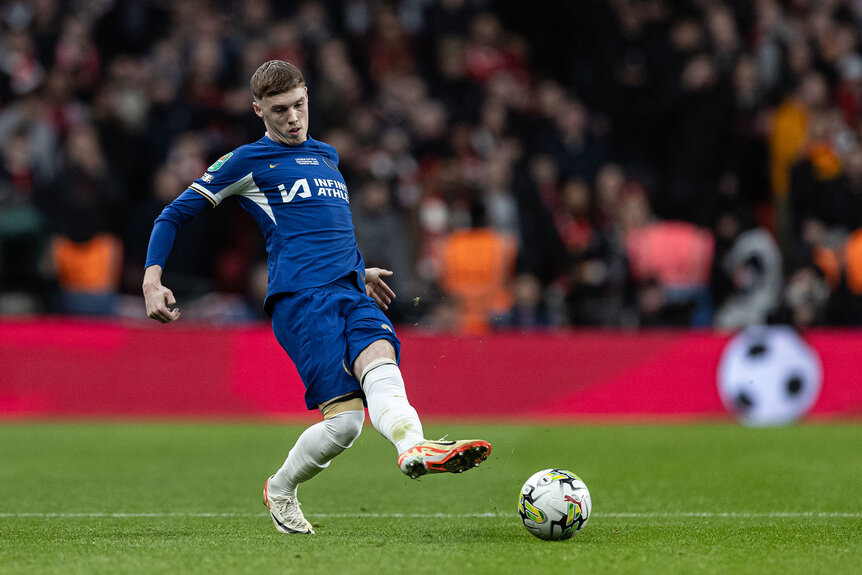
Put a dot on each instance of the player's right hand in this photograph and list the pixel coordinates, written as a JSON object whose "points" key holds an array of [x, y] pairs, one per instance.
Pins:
{"points": [[160, 303]]}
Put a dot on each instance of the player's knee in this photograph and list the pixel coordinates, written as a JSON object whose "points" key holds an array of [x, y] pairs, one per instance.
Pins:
{"points": [[343, 428]]}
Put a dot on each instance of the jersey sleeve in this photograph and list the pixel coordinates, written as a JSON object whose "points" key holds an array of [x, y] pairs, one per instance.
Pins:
{"points": [[177, 213], [231, 174]]}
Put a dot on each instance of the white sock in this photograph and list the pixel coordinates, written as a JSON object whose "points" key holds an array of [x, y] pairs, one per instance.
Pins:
{"points": [[315, 448], [390, 412]]}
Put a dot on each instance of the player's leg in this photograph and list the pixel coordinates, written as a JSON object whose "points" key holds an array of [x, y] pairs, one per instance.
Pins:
{"points": [[309, 327], [311, 454], [393, 416], [388, 408], [319, 444]]}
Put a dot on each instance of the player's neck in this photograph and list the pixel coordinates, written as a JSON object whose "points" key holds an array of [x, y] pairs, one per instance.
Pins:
{"points": [[278, 141]]}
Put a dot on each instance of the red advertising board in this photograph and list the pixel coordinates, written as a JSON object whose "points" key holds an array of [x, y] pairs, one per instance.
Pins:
{"points": [[52, 367]]}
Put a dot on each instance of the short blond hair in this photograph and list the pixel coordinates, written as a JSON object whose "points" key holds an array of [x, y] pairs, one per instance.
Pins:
{"points": [[275, 77]]}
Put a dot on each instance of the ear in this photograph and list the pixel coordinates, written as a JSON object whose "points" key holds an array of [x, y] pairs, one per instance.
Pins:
{"points": [[257, 109]]}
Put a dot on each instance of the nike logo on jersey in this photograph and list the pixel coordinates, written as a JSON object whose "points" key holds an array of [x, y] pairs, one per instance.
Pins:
{"points": [[273, 165]]}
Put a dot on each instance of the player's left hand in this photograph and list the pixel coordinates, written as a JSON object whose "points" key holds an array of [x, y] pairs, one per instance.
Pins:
{"points": [[377, 289]]}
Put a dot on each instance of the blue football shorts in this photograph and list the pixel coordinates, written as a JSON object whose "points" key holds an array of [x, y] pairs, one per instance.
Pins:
{"points": [[323, 329]]}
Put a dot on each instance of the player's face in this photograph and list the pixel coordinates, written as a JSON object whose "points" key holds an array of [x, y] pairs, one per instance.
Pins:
{"points": [[285, 116]]}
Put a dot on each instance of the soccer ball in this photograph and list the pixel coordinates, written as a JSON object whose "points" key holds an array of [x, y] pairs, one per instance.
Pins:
{"points": [[768, 376], [554, 504]]}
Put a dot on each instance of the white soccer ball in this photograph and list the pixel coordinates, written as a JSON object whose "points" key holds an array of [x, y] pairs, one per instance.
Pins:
{"points": [[554, 504], [769, 376]]}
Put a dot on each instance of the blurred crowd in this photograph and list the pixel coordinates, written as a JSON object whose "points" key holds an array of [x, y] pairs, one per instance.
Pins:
{"points": [[619, 163]]}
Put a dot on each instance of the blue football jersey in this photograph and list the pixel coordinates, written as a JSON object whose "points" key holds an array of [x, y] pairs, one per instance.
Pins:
{"points": [[300, 201]]}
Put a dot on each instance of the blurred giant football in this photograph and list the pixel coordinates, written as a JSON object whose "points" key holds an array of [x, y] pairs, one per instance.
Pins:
{"points": [[554, 504], [769, 375]]}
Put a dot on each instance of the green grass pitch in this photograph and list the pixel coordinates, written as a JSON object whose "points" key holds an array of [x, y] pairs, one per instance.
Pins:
{"points": [[185, 498]]}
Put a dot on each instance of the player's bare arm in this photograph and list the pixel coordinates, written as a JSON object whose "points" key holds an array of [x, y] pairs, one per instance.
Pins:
{"points": [[160, 300], [377, 289]]}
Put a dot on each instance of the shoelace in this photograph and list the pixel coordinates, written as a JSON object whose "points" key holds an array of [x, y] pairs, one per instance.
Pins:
{"points": [[288, 508]]}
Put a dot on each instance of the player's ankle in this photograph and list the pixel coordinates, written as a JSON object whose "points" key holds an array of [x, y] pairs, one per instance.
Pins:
{"points": [[281, 488], [408, 444]]}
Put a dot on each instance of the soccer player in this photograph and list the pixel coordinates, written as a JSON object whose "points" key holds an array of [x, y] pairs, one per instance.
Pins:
{"points": [[325, 306]]}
